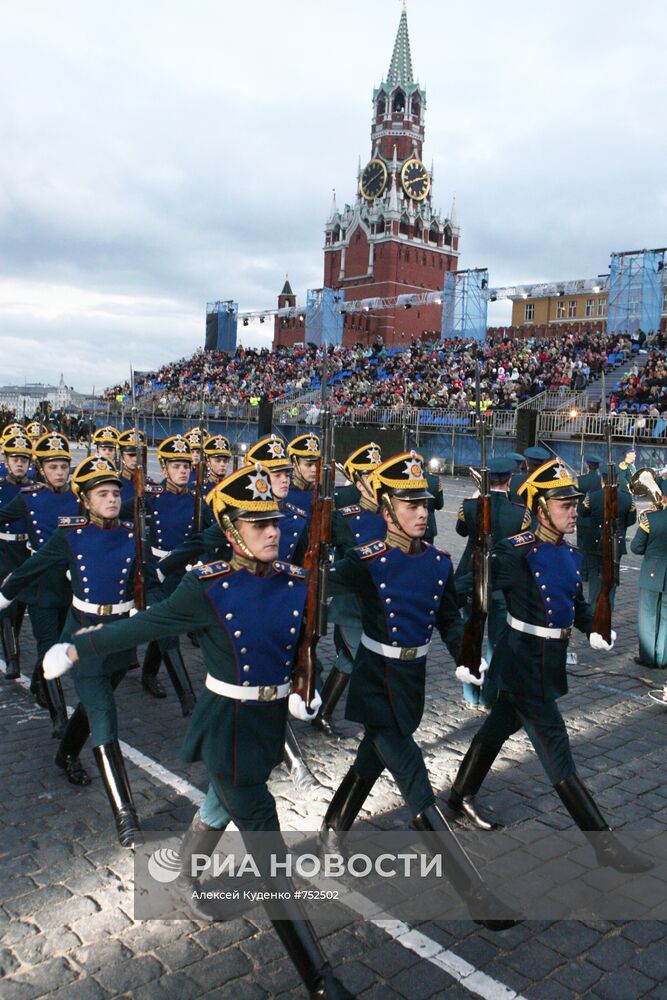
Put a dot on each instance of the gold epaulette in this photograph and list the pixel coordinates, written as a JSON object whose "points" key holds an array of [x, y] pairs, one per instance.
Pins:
{"points": [[349, 511], [72, 521], [293, 509], [289, 568], [523, 538], [209, 570], [370, 550]]}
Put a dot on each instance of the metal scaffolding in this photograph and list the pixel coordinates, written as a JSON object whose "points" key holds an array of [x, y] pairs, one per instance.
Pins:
{"points": [[465, 304], [221, 326], [324, 317], [635, 291]]}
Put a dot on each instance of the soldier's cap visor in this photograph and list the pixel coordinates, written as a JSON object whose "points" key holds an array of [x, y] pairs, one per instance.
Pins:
{"points": [[406, 494], [561, 493], [239, 514], [110, 477]]}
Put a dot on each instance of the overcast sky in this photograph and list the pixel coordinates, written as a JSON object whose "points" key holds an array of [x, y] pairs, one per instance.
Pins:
{"points": [[156, 155]]}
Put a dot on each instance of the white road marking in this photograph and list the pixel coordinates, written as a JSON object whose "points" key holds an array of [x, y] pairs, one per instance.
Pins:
{"points": [[463, 972]]}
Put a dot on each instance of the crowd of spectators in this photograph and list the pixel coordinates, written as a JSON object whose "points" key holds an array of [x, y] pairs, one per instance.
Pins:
{"points": [[437, 375], [643, 389]]}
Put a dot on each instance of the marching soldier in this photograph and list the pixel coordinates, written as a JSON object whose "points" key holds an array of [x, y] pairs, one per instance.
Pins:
{"points": [[589, 482], [10, 430], [194, 437], [170, 516], [437, 503], [366, 524], [592, 511], [105, 443], [40, 505], [35, 430], [650, 541], [217, 455], [238, 726], [305, 454], [17, 452], [540, 575], [406, 589], [99, 553], [507, 518], [535, 456], [128, 453]]}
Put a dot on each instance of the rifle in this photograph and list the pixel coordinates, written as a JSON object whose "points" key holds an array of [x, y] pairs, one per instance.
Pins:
{"points": [[609, 543], [139, 510], [316, 560], [199, 473], [473, 633]]}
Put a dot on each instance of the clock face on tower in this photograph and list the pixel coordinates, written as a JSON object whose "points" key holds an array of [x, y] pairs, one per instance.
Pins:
{"points": [[415, 179], [373, 179]]}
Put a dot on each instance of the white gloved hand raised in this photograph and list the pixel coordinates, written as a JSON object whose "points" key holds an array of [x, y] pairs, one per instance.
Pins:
{"points": [[297, 707], [56, 661], [464, 675], [597, 642], [4, 603]]}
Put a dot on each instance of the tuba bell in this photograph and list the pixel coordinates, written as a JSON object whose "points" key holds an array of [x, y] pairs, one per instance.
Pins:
{"points": [[644, 484]]}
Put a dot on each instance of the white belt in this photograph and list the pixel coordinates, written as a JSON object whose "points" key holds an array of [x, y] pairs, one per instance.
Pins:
{"points": [[161, 553], [5, 537], [541, 630], [102, 609], [266, 692], [395, 652]]}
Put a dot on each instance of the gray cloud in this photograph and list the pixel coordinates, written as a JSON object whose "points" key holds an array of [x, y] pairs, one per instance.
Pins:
{"points": [[157, 156]]}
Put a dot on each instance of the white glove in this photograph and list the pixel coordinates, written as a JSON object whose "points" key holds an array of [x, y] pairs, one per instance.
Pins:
{"points": [[56, 661], [597, 642], [464, 675], [4, 603], [297, 707]]}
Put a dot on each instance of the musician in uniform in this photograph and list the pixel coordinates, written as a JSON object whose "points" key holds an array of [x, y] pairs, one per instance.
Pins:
{"points": [[406, 590], [98, 551], [39, 506], [534, 457], [507, 518], [540, 575], [17, 453], [305, 453], [238, 726], [366, 524], [592, 512], [650, 541]]}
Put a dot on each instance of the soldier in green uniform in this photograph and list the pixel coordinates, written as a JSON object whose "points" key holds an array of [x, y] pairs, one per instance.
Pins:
{"points": [[650, 541], [437, 503], [540, 575], [238, 726], [406, 590], [592, 511], [534, 457], [589, 482], [367, 525], [98, 551], [627, 469], [507, 519]]}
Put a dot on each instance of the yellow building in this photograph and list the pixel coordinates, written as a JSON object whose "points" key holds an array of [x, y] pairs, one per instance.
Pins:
{"points": [[580, 301]]}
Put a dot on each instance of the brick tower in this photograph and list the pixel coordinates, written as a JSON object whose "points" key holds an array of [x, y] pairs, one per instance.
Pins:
{"points": [[391, 241]]}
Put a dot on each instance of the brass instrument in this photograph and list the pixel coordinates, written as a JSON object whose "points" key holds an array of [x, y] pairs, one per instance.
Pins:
{"points": [[644, 484], [476, 478]]}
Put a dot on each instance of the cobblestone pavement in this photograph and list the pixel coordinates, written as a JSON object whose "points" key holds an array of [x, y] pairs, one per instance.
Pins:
{"points": [[66, 921]]}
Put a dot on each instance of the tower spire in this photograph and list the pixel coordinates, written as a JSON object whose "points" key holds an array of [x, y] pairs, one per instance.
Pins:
{"points": [[400, 68]]}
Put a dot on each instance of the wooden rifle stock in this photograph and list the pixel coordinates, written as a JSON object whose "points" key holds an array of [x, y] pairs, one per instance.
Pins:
{"points": [[473, 633], [199, 488]]}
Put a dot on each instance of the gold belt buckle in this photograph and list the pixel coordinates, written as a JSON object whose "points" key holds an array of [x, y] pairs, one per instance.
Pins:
{"points": [[408, 653], [104, 609], [268, 692]]}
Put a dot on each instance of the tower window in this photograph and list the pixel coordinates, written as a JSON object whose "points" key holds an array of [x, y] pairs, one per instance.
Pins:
{"points": [[448, 236], [416, 106], [398, 103], [404, 228], [381, 106]]}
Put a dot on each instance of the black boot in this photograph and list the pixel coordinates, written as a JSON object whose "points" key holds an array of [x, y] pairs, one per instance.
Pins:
{"points": [[303, 779], [56, 705], [152, 661], [473, 770], [461, 872], [199, 838], [298, 937], [74, 738], [11, 648], [344, 808], [180, 678], [112, 768], [36, 689], [609, 851], [333, 689]]}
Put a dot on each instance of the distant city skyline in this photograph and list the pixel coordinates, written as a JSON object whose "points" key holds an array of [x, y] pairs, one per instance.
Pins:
{"points": [[157, 157]]}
